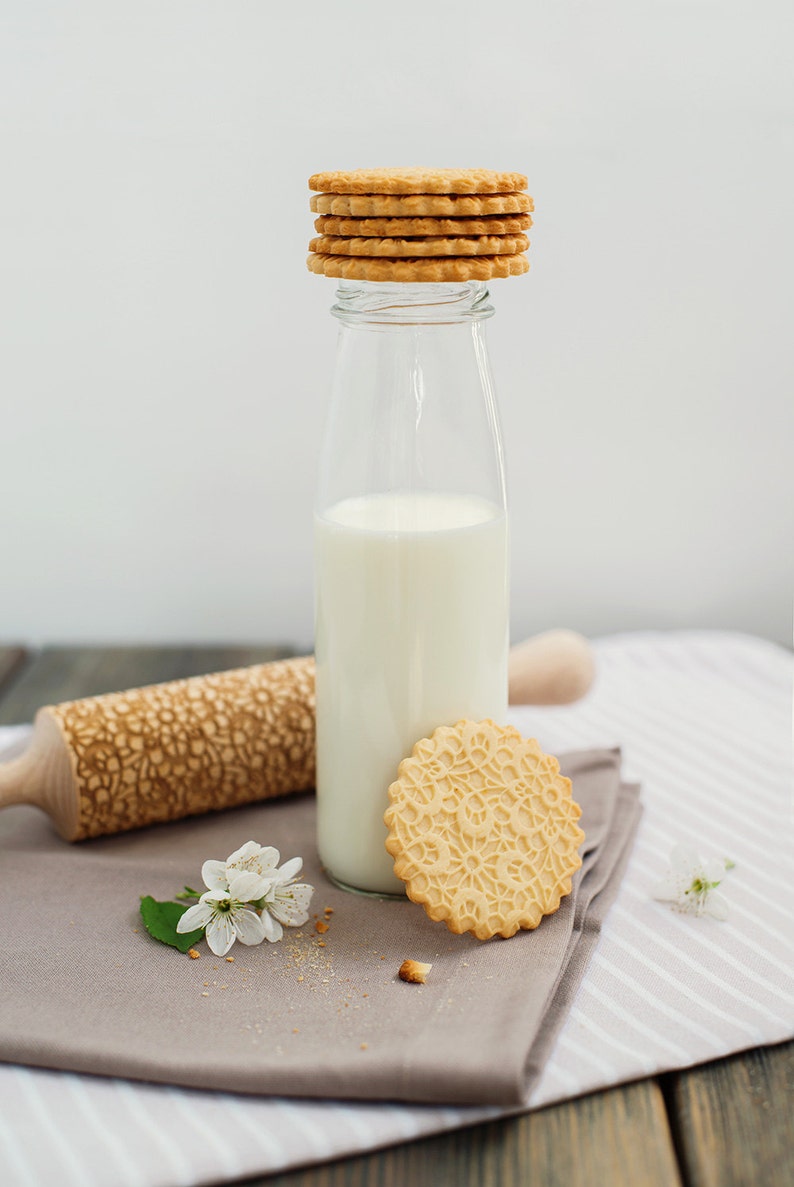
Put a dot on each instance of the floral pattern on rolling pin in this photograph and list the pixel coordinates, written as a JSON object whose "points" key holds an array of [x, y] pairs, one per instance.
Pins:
{"points": [[190, 746]]}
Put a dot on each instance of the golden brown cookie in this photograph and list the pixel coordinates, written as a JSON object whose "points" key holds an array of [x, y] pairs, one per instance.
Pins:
{"points": [[482, 829], [419, 205], [432, 245], [418, 271], [398, 228], [417, 181]]}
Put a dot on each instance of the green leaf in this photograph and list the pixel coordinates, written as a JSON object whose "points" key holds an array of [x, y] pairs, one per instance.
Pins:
{"points": [[160, 920]]}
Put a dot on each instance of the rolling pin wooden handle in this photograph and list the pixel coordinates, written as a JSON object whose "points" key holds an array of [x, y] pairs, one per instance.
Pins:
{"points": [[43, 776], [554, 668], [14, 777]]}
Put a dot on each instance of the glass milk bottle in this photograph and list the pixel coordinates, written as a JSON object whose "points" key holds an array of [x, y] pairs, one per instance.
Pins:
{"points": [[411, 546]]}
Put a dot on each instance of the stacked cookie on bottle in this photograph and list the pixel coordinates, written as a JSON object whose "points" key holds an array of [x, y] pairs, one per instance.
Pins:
{"points": [[433, 225]]}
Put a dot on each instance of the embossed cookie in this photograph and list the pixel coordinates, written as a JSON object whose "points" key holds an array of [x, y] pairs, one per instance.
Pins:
{"points": [[482, 829], [431, 245], [420, 205], [394, 228], [417, 181], [417, 271]]}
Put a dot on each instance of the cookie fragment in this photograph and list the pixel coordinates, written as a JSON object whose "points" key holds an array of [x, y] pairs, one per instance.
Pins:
{"points": [[414, 971], [482, 829]]}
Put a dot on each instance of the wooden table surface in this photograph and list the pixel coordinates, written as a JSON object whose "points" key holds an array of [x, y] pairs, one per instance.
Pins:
{"points": [[725, 1124]]}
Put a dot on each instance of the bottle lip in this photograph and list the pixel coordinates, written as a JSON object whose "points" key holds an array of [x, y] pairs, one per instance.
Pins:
{"points": [[387, 303]]}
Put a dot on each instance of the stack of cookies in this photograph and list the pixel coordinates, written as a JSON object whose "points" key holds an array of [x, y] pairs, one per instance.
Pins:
{"points": [[413, 225]]}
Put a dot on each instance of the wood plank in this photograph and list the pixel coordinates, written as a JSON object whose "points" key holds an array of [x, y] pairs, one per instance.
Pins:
{"points": [[12, 660], [619, 1137], [68, 673], [733, 1120]]}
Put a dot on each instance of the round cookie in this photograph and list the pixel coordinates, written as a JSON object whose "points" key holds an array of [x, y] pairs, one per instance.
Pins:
{"points": [[418, 271], [417, 181], [432, 245], [395, 228], [482, 829], [419, 205]]}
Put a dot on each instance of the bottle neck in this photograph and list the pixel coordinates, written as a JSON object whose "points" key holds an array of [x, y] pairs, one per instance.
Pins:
{"points": [[412, 404], [382, 303]]}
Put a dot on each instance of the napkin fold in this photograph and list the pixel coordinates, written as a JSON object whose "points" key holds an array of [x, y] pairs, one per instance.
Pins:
{"points": [[85, 988]]}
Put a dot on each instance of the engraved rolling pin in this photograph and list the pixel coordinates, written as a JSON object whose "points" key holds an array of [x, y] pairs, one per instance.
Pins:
{"points": [[149, 755], [120, 761]]}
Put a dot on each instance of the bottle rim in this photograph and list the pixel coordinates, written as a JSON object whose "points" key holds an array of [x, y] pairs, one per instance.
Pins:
{"points": [[387, 303]]}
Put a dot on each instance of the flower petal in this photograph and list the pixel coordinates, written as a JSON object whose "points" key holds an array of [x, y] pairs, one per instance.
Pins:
{"points": [[195, 917], [273, 930], [290, 869], [241, 855], [248, 927], [717, 905], [220, 934], [254, 858], [246, 887], [214, 875], [714, 869], [665, 891], [267, 860], [684, 861]]}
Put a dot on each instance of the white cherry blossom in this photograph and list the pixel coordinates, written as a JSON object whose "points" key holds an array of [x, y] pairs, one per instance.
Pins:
{"points": [[248, 898], [226, 913], [691, 883]]}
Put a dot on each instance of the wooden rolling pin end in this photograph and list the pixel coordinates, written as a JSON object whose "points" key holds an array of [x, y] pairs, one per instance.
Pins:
{"points": [[43, 776], [554, 668]]}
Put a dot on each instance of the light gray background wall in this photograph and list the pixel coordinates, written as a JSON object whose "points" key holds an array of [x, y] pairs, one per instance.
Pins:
{"points": [[164, 355]]}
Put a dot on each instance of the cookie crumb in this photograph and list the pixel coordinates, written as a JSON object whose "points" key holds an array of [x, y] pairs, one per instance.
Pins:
{"points": [[193, 954], [364, 1046], [230, 960], [321, 927], [204, 993], [414, 971]]}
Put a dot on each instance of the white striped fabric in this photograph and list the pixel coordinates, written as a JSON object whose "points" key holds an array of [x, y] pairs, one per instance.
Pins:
{"points": [[704, 722]]}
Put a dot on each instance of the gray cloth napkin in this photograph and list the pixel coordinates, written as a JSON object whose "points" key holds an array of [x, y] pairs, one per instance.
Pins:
{"points": [[86, 989]]}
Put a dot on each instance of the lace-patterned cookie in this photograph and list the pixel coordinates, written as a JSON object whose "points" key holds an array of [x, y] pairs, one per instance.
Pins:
{"points": [[482, 829]]}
